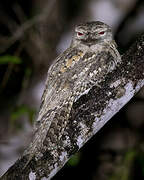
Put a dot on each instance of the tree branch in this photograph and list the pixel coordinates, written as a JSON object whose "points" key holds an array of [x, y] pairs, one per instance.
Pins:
{"points": [[89, 114]]}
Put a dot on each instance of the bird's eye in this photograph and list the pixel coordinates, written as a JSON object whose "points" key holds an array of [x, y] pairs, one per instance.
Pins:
{"points": [[102, 32], [80, 34]]}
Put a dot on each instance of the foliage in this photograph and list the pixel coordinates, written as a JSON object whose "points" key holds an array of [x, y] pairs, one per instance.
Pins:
{"points": [[10, 59], [74, 160], [20, 111]]}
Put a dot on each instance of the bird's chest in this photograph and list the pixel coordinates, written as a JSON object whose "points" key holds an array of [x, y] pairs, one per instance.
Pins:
{"points": [[79, 67]]}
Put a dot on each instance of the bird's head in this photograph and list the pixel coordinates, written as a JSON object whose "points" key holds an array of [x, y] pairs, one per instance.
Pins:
{"points": [[91, 33]]}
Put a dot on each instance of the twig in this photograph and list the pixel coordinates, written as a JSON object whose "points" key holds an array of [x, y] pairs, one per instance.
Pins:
{"points": [[46, 11]]}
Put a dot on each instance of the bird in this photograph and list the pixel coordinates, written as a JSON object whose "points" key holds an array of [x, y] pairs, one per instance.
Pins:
{"points": [[91, 56]]}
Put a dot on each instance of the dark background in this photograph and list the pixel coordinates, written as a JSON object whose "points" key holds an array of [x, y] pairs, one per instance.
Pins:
{"points": [[32, 34]]}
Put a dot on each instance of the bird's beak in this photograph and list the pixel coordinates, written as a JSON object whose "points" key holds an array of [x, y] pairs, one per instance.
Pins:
{"points": [[90, 41]]}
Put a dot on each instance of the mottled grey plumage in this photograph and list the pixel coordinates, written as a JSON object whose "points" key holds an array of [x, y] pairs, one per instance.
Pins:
{"points": [[90, 57]]}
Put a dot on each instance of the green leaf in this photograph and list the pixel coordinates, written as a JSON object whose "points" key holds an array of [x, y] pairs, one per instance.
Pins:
{"points": [[140, 160], [18, 112], [22, 110], [10, 59], [74, 160], [28, 71]]}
